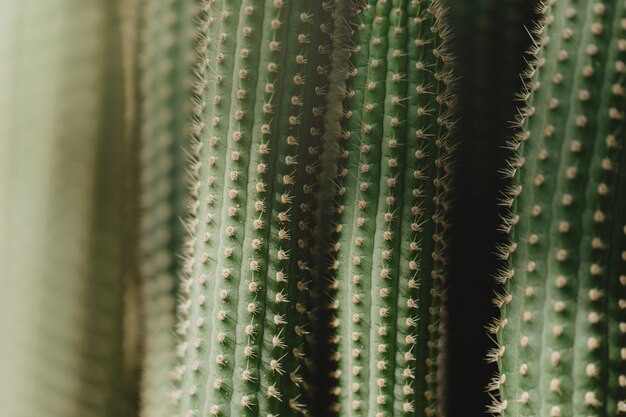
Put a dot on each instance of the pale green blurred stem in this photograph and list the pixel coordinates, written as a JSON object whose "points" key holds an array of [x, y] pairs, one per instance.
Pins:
{"points": [[60, 181]]}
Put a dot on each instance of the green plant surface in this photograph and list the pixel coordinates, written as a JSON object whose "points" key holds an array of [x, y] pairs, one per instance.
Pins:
{"points": [[390, 246], [259, 82], [168, 105], [560, 334], [61, 260]]}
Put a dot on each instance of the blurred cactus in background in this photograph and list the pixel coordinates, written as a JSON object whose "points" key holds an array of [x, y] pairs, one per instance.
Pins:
{"points": [[62, 163], [291, 207]]}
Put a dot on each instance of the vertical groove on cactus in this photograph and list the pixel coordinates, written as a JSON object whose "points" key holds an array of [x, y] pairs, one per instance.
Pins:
{"points": [[166, 94], [279, 118], [314, 60], [616, 292], [341, 19], [390, 261], [282, 381], [557, 304]]}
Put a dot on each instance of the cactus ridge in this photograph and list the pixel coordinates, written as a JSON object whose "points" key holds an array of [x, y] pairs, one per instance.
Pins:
{"points": [[556, 305]]}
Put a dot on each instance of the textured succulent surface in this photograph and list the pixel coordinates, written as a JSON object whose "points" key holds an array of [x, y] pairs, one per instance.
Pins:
{"points": [[390, 258], [258, 78], [60, 180], [561, 335], [167, 44]]}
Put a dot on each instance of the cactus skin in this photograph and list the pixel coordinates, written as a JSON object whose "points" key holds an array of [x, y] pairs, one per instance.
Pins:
{"points": [[390, 260], [561, 330], [254, 167], [166, 43], [61, 179]]}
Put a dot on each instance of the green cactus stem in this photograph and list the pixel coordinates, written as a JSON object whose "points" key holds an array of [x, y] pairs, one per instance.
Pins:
{"points": [[390, 262], [561, 332], [259, 81], [168, 105], [61, 259]]}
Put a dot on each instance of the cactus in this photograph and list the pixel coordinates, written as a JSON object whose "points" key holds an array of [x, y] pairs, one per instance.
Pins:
{"points": [[166, 44], [61, 261], [390, 244], [561, 331], [254, 149]]}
